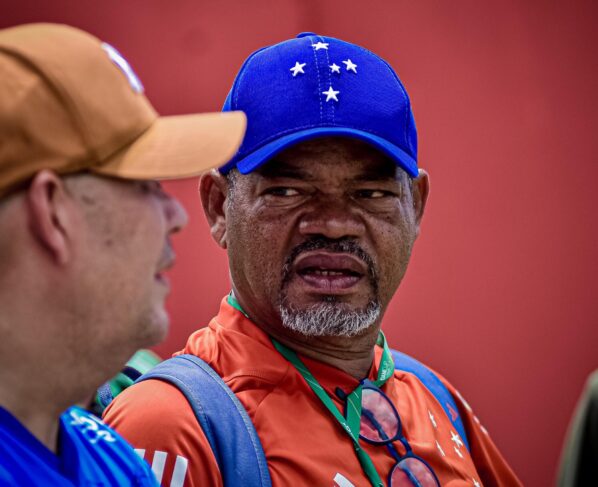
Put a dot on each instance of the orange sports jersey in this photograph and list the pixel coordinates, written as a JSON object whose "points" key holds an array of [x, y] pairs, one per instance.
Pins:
{"points": [[303, 443]]}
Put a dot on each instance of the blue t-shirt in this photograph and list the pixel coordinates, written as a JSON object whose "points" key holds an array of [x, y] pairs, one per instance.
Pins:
{"points": [[89, 454]]}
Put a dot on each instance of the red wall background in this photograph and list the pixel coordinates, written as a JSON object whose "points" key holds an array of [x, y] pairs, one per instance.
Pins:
{"points": [[501, 292]]}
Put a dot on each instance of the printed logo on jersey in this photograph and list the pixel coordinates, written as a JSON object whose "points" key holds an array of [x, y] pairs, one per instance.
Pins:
{"points": [[92, 427]]}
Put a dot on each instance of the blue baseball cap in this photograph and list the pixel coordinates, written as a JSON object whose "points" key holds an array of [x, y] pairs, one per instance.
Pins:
{"points": [[315, 86]]}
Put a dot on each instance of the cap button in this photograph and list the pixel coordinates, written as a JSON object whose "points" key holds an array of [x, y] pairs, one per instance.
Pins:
{"points": [[305, 34]]}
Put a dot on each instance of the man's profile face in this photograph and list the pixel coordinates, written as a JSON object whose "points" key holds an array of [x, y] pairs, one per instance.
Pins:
{"points": [[124, 253], [319, 238]]}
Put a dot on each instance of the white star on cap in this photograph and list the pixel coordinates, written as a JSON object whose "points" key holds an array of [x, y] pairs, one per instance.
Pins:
{"points": [[476, 483], [320, 45], [298, 68], [350, 66], [456, 439], [331, 94], [335, 68]]}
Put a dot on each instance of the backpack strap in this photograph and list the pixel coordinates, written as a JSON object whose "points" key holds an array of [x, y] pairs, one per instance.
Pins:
{"points": [[222, 418], [104, 393], [435, 386]]}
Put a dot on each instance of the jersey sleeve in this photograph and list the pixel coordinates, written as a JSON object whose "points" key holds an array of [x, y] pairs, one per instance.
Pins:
{"points": [[492, 468], [157, 420]]}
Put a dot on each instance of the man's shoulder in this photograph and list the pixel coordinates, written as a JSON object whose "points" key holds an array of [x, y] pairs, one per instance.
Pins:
{"points": [[406, 364], [100, 452], [149, 402], [89, 451], [156, 418], [154, 415]]}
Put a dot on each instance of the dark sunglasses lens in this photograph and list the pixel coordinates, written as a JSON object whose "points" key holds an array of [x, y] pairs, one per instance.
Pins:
{"points": [[379, 418], [410, 472]]}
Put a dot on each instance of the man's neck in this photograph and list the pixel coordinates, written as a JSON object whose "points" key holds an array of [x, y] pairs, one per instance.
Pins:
{"points": [[353, 355]]}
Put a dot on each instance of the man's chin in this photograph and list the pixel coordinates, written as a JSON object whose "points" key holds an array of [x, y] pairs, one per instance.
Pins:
{"points": [[329, 317], [156, 328], [299, 299]]}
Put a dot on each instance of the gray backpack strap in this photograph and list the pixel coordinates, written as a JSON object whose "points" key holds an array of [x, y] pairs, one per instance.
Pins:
{"points": [[222, 418]]}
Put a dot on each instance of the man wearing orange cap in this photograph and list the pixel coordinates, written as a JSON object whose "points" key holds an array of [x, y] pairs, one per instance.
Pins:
{"points": [[84, 242]]}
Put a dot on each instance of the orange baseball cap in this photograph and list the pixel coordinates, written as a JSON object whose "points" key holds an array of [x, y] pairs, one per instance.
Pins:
{"points": [[69, 102]]}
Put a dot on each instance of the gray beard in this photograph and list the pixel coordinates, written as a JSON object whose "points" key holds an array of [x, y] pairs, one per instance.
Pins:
{"points": [[329, 319]]}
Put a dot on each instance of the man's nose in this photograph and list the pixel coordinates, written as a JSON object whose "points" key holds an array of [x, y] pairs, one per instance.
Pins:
{"points": [[176, 215], [332, 217]]}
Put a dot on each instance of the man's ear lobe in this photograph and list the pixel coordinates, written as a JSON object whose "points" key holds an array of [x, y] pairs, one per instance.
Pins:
{"points": [[213, 191], [48, 212], [421, 189]]}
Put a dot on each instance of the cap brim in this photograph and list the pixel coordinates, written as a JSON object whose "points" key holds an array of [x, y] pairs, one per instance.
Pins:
{"points": [[179, 147], [266, 152]]}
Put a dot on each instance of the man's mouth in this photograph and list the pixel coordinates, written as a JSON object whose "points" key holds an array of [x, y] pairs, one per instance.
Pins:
{"points": [[160, 275], [330, 273], [162, 279]]}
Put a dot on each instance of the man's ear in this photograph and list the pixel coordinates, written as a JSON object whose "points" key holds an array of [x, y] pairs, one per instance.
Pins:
{"points": [[50, 215], [213, 191], [421, 189]]}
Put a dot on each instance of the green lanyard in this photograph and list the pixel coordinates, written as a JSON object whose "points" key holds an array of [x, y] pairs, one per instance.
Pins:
{"points": [[351, 424]]}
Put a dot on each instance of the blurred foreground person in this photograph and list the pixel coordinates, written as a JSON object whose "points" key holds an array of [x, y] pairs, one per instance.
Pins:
{"points": [[84, 242], [318, 211], [579, 462]]}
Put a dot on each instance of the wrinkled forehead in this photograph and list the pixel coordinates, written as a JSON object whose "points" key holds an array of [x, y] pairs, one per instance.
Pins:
{"points": [[354, 158]]}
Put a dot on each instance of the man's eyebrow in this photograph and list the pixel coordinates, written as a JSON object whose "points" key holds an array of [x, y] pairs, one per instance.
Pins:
{"points": [[380, 171], [377, 177], [276, 169], [384, 170]]}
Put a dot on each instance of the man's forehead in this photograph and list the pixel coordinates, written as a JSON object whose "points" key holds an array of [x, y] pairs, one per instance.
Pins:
{"points": [[306, 159]]}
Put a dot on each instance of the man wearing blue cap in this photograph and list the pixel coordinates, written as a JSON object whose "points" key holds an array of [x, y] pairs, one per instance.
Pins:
{"points": [[318, 211]]}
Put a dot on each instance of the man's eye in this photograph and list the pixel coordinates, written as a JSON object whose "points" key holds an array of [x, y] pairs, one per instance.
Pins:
{"points": [[150, 186], [282, 192], [373, 193]]}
